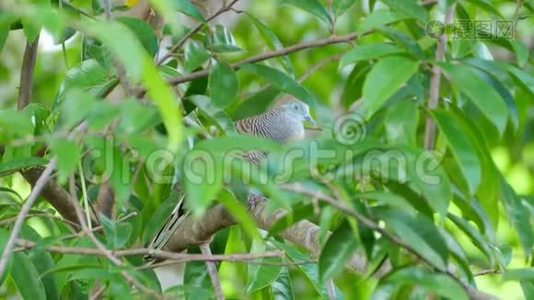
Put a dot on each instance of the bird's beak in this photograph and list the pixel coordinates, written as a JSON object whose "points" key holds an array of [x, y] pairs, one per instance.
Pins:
{"points": [[310, 120]]}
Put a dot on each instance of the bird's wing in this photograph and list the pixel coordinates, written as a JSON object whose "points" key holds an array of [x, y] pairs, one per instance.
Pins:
{"points": [[250, 126]]}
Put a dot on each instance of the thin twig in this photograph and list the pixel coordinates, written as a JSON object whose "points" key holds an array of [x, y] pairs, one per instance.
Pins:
{"points": [[170, 262], [212, 272], [193, 31], [43, 179], [160, 254], [433, 97], [268, 55], [487, 272]]}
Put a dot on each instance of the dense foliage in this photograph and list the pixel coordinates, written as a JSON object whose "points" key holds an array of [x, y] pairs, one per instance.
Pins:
{"points": [[419, 174]]}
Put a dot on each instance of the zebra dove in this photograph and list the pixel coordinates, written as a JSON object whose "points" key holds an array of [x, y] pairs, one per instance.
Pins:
{"points": [[281, 124]]}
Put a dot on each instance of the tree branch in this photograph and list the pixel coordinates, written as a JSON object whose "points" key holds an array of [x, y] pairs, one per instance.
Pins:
{"points": [[268, 55], [435, 80], [26, 73], [39, 185], [53, 193], [178, 257]]}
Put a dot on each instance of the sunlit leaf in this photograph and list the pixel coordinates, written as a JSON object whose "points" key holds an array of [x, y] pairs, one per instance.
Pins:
{"points": [[26, 277], [341, 6], [366, 52], [479, 92], [384, 79], [462, 148]]}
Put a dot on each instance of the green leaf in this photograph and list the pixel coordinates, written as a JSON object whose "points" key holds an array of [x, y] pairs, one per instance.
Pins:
{"points": [[405, 41], [462, 147], [352, 89], [213, 113], [341, 6], [42, 261], [506, 95], [519, 274], [223, 85], [337, 251], [264, 275], [195, 55], [16, 165], [115, 36], [420, 233], [282, 287], [310, 270], [439, 284], [384, 79], [478, 240], [68, 156], [89, 76], [75, 107], [479, 92], [314, 7], [272, 40], [187, 8], [519, 216], [26, 277], [521, 52], [4, 236], [523, 77], [145, 34], [281, 81], [239, 212], [136, 117], [410, 8], [116, 234], [163, 96], [6, 19], [202, 179], [378, 19], [221, 40], [367, 52], [401, 123]]}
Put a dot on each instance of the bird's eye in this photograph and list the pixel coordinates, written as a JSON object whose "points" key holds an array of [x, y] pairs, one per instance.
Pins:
{"points": [[295, 106]]}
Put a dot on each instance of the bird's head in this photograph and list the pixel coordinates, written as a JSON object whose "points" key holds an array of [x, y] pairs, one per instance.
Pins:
{"points": [[298, 110]]}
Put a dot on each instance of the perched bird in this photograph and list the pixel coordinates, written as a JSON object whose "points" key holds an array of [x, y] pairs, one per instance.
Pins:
{"points": [[281, 124]]}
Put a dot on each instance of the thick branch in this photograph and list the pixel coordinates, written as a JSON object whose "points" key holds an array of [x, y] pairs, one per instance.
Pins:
{"points": [[54, 194], [193, 232], [26, 73]]}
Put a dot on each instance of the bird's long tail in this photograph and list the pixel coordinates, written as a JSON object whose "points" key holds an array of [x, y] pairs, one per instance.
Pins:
{"points": [[174, 221]]}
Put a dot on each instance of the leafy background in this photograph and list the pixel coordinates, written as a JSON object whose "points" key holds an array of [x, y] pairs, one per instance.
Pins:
{"points": [[479, 217]]}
